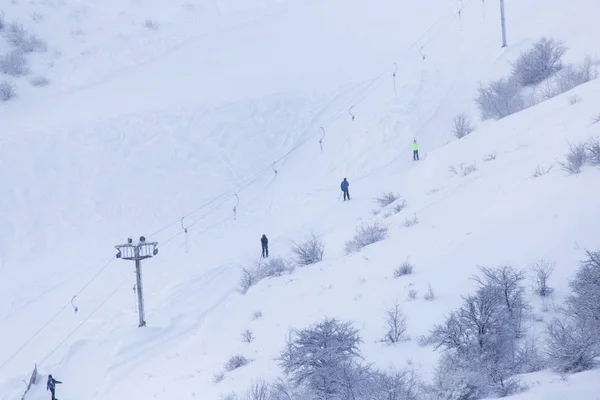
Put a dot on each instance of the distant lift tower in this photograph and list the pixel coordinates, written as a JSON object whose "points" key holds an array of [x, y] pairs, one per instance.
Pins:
{"points": [[137, 253]]}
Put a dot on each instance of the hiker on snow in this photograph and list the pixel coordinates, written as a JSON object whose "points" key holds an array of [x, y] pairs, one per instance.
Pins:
{"points": [[51, 385], [265, 246], [344, 187], [415, 147]]}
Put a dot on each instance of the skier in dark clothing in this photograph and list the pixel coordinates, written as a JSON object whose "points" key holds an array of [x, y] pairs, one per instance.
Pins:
{"points": [[265, 246], [344, 187], [51, 386]]}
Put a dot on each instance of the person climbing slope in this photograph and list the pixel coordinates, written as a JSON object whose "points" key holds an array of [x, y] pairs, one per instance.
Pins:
{"points": [[415, 147], [344, 187], [51, 386], [265, 246]]}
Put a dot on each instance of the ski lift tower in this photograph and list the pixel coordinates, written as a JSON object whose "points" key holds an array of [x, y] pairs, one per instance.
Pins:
{"points": [[137, 253]]}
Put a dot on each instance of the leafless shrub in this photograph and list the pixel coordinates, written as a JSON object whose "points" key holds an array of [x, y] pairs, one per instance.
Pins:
{"points": [[376, 212], [540, 170], [260, 390], [412, 294], [385, 199], [39, 81], [151, 24], [236, 362], [229, 396], [310, 251], [366, 234], [408, 222], [218, 377], [593, 151], [406, 268], [257, 315], [429, 296], [7, 91], [247, 280], [574, 159], [14, 63], [399, 206], [2, 21], [596, 118], [396, 324], [462, 125], [540, 62], [247, 336], [542, 270], [499, 99]]}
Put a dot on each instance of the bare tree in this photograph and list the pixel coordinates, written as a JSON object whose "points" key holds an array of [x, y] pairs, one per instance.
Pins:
{"points": [[462, 125], [542, 271], [247, 336], [396, 324], [499, 99]]}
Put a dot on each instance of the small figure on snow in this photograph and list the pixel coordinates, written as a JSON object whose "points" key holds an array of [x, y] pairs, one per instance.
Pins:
{"points": [[344, 187], [265, 246], [51, 386], [415, 147]]}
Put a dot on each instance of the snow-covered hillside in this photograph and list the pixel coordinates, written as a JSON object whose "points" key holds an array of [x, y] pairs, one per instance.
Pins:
{"points": [[161, 115]]}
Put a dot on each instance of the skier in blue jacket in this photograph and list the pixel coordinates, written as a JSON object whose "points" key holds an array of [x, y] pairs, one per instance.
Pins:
{"points": [[344, 187]]}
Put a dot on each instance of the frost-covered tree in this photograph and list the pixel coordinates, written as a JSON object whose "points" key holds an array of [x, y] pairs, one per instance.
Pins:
{"points": [[322, 357], [482, 352], [499, 98], [539, 62], [573, 342]]}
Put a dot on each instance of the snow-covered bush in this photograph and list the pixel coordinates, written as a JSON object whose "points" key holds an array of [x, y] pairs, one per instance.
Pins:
{"points": [[218, 377], [412, 294], [593, 150], [574, 159], [235, 362], [571, 347], [22, 40], [310, 251], [323, 357], [399, 206], [542, 270], [395, 385], [396, 324], [499, 98], [568, 78], [272, 268], [482, 353], [429, 296], [406, 268], [257, 315], [14, 63], [365, 235], [463, 169], [539, 62], [462, 125], [7, 91], [39, 81], [385, 199]]}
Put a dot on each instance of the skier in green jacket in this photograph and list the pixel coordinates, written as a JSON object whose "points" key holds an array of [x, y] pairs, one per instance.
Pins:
{"points": [[415, 147]]}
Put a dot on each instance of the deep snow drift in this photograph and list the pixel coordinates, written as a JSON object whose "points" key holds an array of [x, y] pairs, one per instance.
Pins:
{"points": [[141, 127]]}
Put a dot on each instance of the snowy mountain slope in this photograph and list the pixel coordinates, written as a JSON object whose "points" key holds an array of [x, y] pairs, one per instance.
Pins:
{"points": [[136, 155]]}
